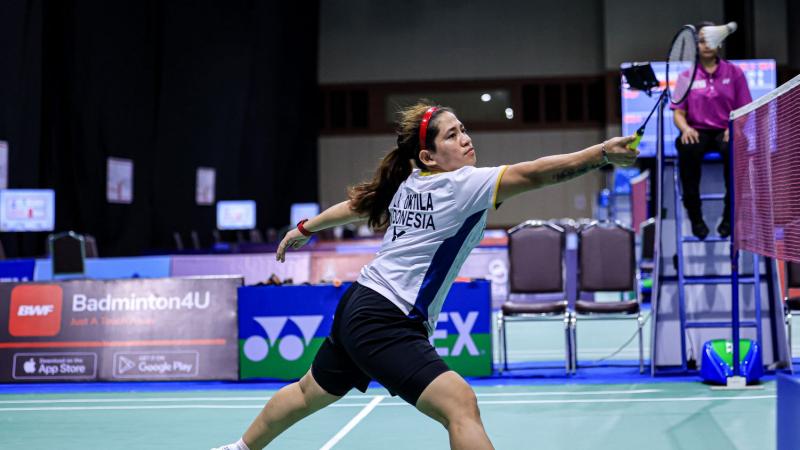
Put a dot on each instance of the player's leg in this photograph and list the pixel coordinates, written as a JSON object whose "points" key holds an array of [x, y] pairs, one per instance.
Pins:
{"points": [[452, 402], [395, 351], [332, 375], [290, 404], [690, 162]]}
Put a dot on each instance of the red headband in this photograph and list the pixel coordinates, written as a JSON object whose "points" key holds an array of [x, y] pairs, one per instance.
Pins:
{"points": [[423, 126]]}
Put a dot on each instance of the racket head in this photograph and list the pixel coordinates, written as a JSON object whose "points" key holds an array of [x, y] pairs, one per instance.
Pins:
{"points": [[682, 63]]}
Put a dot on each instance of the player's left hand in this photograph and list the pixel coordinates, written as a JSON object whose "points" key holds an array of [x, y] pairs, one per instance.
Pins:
{"points": [[618, 152], [293, 239]]}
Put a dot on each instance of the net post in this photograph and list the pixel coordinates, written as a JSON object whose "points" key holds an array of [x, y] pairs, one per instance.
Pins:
{"points": [[734, 256]]}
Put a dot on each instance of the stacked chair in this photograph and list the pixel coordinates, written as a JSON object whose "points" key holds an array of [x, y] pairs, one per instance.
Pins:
{"points": [[538, 280]]}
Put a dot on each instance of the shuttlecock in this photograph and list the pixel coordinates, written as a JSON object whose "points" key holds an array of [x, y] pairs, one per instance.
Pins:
{"points": [[716, 34]]}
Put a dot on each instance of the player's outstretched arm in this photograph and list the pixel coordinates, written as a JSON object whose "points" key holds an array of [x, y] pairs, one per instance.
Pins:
{"points": [[529, 175], [338, 214]]}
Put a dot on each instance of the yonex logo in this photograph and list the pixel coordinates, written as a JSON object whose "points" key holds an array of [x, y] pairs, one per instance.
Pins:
{"points": [[463, 327], [35, 310], [291, 346]]}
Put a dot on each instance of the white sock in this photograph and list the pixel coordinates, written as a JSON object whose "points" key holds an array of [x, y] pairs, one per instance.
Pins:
{"points": [[241, 445]]}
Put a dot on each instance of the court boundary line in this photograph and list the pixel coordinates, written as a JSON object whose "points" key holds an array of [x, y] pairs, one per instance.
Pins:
{"points": [[376, 401], [265, 398], [352, 423]]}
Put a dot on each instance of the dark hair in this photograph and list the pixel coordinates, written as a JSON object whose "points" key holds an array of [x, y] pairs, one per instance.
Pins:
{"points": [[372, 198], [703, 23]]}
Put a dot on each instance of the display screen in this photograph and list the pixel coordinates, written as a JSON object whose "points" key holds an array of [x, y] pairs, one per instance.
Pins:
{"points": [[236, 215], [302, 211], [761, 78], [27, 210]]}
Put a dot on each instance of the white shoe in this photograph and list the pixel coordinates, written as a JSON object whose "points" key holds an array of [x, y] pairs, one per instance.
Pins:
{"points": [[239, 445]]}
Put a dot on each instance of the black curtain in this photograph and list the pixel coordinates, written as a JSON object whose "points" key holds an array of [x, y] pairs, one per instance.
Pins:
{"points": [[172, 85]]}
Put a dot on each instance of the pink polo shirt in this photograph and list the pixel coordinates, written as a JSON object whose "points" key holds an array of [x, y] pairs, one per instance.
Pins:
{"points": [[714, 96]]}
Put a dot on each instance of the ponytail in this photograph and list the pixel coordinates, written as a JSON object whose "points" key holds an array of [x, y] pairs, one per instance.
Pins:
{"points": [[372, 198]]}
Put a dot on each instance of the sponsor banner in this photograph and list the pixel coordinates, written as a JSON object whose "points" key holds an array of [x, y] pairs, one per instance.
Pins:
{"points": [[17, 270], [463, 334], [282, 327], [255, 268], [113, 268], [138, 329]]}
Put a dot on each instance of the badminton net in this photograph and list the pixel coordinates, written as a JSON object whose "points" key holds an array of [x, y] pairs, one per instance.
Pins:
{"points": [[766, 174]]}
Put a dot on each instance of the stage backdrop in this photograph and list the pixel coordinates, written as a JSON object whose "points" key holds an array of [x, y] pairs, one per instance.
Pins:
{"points": [[147, 329], [172, 86]]}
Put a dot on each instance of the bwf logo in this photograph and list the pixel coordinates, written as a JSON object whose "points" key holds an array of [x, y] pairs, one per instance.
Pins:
{"points": [[291, 346], [35, 310]]}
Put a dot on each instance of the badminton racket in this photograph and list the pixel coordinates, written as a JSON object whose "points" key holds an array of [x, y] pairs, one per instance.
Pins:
{"points": [[681, 60]]}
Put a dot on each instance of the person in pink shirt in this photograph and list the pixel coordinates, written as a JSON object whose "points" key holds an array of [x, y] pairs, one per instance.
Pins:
{"points": [[719, 87]]}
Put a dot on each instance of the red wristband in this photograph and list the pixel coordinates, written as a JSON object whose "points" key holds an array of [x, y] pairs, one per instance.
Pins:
{"points": [[302, 229]]}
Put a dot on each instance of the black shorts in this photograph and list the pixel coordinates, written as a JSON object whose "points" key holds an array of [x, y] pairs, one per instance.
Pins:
{"points": [[371, 339]]}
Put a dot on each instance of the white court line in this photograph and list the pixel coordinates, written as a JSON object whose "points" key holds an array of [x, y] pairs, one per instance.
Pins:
{"points": [[626, 400], [353, 422], [133, 400], [130, 407], [371, 405], [632, 351], [579, 393], [608, 400], [264, 399]]}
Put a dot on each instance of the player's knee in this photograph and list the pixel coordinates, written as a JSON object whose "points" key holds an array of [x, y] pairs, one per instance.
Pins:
{"points": [[470, 408], [463, 406]]}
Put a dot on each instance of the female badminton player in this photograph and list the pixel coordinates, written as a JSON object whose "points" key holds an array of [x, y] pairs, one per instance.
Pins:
{"points": [[434, 216]]}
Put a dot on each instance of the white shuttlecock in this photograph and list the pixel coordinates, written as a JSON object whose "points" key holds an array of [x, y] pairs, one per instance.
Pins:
{"points": [[716, 34]]}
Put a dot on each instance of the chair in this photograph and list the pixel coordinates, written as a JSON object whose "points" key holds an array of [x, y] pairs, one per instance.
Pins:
{"points": [[68, 253], [536, 260], [647, 232], [639, 200], [606, 262], [195, 237], [176, 237], [256, 237], [791, 303], [91, 246]]}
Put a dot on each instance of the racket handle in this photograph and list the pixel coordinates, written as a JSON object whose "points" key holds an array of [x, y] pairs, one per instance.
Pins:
{"points": [[633, 145]]}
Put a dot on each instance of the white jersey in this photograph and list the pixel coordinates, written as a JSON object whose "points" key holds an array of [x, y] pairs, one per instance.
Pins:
{"points": [[435, 221]]}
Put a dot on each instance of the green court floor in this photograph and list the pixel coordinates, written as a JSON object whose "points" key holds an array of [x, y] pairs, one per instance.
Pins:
{"points": [[639, 413], [652, 416]]}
